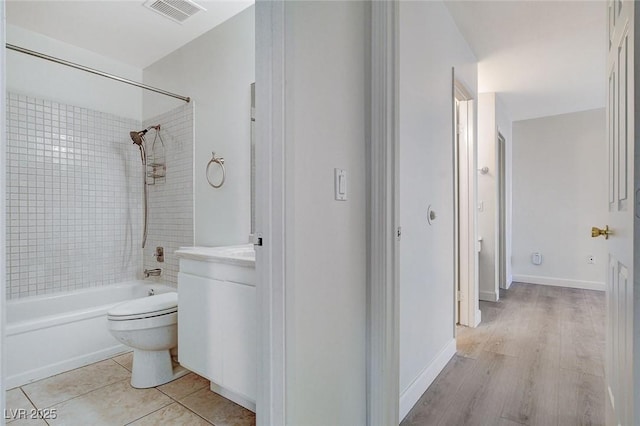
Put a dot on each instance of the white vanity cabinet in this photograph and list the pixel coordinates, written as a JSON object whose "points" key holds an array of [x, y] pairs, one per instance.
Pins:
{"points": [[217, 319]]}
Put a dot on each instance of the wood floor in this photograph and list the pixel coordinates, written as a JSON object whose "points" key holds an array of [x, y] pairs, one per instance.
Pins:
{"points": [[536, 359]]}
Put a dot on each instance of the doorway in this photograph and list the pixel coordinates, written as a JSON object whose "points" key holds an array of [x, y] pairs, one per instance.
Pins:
{"points": [[464, 155]]}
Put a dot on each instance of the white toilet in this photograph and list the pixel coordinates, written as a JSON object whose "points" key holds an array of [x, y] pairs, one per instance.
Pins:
{"points": [[150, 326]]}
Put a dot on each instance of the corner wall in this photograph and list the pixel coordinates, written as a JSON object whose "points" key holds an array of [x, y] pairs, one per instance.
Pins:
{"points": [[430, 45], [216, 70], [559, 189], [170, 199]]}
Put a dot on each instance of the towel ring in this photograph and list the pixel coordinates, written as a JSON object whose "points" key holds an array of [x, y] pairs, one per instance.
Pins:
{"points": [[220, 161]]}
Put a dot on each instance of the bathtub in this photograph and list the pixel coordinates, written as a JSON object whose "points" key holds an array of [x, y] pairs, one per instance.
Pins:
{"points": [[50, 334]]}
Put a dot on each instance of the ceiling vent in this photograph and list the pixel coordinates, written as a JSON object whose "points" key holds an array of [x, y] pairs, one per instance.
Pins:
{"points": [[176, 10]]}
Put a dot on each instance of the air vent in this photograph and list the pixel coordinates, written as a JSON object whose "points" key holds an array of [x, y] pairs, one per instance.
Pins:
{"points": [[176, 10]]}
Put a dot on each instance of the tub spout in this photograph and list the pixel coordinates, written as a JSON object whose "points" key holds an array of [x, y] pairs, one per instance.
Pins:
{"points": [[152, 272]]}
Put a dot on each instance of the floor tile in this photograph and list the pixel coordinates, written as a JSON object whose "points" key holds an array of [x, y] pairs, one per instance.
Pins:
{"points": [[174, 415], [218, 410], [125, 360], [71, 384], [116, 404], [16, 401], [28, 422], [184, 386]]}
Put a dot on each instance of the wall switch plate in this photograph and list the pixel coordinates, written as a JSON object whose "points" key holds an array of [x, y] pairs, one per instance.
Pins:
{"points": [[340, 184]]}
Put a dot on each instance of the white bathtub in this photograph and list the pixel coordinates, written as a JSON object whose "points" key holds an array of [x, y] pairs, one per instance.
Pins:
{"points": [[50, 334]]}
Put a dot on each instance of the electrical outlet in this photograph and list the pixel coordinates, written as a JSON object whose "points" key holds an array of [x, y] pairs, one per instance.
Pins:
{"points": [[591, 259]]}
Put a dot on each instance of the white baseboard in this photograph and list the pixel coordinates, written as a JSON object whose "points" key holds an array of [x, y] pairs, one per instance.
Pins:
{"points": [[478, 318], [43, 372], [240, 399], [509, 282], [560, 282], [489, 296], [414, 391]]}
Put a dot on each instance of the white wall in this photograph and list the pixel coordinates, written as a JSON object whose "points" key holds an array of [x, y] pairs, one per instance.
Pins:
{"points": [[216, 71], [559, 189], [47, 80], [325, 112], [492, 118], [430, 45]]}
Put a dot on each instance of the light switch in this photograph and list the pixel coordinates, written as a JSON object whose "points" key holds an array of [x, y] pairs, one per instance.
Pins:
{"points": [[340, 183]]}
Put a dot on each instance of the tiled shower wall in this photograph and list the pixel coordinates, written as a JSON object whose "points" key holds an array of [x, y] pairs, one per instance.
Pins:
{"points": [[74, 198], [171, 200]]}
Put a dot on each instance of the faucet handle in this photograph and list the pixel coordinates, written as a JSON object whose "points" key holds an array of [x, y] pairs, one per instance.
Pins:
{"points": [[159, 254]]}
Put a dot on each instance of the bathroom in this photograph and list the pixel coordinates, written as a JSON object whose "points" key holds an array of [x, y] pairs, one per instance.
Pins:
{"points": [[76, 190]]}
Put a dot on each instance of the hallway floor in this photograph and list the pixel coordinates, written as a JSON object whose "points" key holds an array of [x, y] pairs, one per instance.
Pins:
{"points": [[100, 394], [536, 359]]}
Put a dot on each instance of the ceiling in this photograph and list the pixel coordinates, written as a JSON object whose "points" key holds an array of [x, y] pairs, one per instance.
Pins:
{"points": [[122, 30], [541, 57]]}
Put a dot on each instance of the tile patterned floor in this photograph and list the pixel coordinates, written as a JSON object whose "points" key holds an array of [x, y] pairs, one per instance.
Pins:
{"points": [[100, 394]]}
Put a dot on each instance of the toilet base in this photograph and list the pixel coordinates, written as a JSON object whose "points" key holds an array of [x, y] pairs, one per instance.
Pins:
{"points": [[153, 368]]}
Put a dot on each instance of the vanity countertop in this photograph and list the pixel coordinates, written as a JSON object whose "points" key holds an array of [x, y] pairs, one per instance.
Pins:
{"points": [[242, 255]]}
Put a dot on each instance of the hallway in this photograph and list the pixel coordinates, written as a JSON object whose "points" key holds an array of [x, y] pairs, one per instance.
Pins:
{"points": [[536, 359]]}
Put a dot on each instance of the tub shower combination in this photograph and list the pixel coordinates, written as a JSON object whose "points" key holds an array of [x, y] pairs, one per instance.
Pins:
{"points": [[78, 207]]}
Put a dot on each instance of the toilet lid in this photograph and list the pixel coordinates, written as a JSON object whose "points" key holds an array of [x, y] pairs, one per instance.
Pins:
{"points": [[157, 305]]}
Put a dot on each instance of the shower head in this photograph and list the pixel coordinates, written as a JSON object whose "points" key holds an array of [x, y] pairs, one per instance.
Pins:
{"points": [[138, 137]]}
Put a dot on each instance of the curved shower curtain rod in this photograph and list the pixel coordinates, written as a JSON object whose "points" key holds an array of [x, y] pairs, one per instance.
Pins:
{"points": [[94, 71]]}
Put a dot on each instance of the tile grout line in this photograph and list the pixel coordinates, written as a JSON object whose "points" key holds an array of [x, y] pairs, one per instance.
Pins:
{"points": [[81, 395], [150, 413], [187, 408], [122, 365]]}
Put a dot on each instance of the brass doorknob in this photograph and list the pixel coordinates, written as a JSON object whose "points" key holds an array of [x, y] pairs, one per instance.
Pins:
{"points": [[596, 232]]}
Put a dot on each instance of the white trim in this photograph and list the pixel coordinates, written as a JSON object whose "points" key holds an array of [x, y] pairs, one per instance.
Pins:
{"points": [[560, 282], [478, 318], [489, 296], [270, 212], [3, 150], [383, 345], [466, 210], [45, 371], [414, 391], [240, 399]]}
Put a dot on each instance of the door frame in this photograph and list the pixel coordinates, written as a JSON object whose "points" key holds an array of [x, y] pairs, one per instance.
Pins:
{"points": [[384, 232], [3, 228], [271, 214], [465, 221], [501, 208]]}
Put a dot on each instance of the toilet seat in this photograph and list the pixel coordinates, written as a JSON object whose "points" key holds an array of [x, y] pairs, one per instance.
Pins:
{"points": [[145, 307]]}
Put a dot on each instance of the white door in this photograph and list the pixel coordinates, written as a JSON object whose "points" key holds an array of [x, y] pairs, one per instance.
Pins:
{"points": [[620, 380], [464, 229]]}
